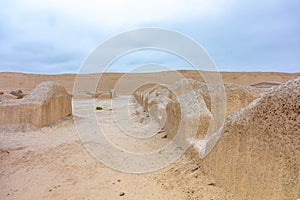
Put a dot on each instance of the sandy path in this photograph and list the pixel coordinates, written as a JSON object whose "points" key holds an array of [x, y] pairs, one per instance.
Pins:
{"points": [[52, 163]]}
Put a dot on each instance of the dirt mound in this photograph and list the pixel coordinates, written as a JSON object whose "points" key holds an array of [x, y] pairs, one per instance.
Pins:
{"points": [[258, 153], [46, 103]]}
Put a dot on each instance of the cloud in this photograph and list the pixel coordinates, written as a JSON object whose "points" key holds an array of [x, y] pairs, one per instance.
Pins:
{"points": [[56, 36], [152, 58], [119, 13]]}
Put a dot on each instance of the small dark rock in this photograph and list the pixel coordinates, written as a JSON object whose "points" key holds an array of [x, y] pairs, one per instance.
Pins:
{"points": [[121, 194], [212, 184], [164, 136], [195, 169]]}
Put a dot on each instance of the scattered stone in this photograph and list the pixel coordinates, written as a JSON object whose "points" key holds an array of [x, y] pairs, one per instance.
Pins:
{"points": [[165, 136], [18, 93], [121, 194], [212, 184], [1, 93], [196, 168]]}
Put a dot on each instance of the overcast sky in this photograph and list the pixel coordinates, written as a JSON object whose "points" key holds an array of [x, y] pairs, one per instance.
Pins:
{"points": [[239, 35]]}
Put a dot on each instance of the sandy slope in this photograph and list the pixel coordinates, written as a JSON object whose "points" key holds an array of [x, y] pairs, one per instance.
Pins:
{"points": [[52, 163]]}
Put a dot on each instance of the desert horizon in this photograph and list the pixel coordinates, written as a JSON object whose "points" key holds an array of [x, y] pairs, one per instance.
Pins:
{"points": [[243, 78]]}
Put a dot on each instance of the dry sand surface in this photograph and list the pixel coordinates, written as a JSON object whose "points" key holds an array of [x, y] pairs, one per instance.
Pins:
{"points": [[53, 163]]}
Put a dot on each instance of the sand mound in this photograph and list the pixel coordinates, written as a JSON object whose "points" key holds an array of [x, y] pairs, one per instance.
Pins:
{"points": [[258, 153], [46, 103]]}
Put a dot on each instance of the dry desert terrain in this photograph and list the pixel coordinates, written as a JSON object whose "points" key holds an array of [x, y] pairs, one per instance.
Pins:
{"points": [[256, 141]]}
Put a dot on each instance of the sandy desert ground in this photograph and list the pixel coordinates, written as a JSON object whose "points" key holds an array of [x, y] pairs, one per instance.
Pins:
{"points": [[53, 163]]}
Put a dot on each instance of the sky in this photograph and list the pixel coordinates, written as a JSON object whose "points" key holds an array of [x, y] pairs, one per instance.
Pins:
{"points": [[57, 36]]}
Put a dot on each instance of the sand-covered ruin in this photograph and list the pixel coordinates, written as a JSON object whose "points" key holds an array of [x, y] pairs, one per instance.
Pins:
{"points": [[257, 154], [48, 102]]}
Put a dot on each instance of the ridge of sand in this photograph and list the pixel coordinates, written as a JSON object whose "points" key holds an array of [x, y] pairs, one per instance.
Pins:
{"points": [[13, 80]]}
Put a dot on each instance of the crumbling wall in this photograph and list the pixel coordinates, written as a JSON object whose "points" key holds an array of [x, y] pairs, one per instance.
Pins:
{"points": [[45, 104], [167, 106], [258, 153]]}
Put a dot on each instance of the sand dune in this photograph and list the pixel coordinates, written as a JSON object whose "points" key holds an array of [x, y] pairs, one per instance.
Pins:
{"points": [[11, 80]]}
